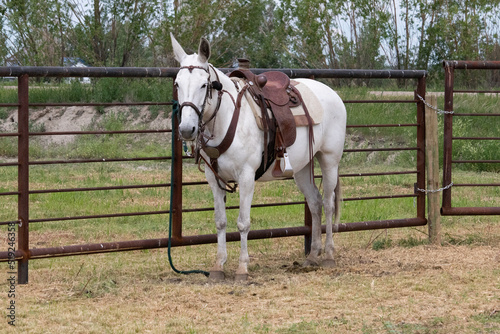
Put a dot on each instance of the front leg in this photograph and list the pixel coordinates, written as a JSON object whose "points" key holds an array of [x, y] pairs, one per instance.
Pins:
{"points": [[247, 187], [217, 271]]}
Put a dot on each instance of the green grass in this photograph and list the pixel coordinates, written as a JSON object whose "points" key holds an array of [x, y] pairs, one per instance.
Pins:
{"points": [[68, 204], [490, 319], [96, 146], [3, 114], [100, 90], [128, 146], [154, 89], [470, 126]]}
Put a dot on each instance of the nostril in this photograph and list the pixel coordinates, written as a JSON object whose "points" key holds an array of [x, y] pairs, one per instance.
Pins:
{"points": [[187, 132]]}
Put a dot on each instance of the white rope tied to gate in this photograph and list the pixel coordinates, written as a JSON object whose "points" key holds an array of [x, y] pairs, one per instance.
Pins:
{"points": [[438, 111], [435, 191]]}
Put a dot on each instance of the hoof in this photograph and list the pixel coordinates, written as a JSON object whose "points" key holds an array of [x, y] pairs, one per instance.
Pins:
{"points": [[310, 263], [328, 263], [241, 277], [217, 276]]}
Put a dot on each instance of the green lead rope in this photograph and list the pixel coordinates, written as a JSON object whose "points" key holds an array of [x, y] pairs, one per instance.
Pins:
{"points": [[175, 111]]}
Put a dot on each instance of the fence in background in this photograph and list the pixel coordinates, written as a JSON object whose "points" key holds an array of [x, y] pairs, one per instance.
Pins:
{"points": [[24, 252], [449, 91]]}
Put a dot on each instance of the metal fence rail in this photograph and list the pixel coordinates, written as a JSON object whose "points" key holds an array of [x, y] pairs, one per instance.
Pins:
{"points": [[449, 67], [24, 252]]}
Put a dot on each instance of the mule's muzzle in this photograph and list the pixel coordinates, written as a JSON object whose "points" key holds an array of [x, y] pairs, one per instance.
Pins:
{"points": [[188, 132]]}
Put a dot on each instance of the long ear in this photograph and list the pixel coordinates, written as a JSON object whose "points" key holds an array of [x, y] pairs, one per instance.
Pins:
{"points": [[179, 52], [204, 50]]}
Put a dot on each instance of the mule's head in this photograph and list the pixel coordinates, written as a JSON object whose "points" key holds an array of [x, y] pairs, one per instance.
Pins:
{"points": [[193, 87]]}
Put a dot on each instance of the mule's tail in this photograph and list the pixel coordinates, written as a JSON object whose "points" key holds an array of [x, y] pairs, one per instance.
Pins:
{"points": [[338, 200]]}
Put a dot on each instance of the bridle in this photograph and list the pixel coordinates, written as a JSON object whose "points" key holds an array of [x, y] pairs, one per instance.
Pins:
{"points": [[210, 85], [202, 139]]}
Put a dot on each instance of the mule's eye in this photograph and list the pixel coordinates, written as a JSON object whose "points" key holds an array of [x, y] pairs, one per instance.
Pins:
{"points": [[204, 86]]}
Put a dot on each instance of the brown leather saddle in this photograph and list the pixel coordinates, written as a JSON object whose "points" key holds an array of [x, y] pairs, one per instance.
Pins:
{"points": [[273, 91]]}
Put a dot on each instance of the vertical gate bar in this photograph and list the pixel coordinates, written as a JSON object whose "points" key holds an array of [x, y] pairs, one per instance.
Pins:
{"points": [[177, 180], [448, 127], [421, 88], [23, 177]]}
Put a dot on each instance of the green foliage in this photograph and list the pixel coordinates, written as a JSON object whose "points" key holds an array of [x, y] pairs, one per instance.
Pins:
{"points": [[3, 114], [110, 89], [411, 241], [489, 319], [8, 147], [154, 110], [273, 34], [36, 127], [408, 242], [36, 27], [486, 127], [117, 31], [124, 89], [101, 90], [382, 244], [470, 239]]}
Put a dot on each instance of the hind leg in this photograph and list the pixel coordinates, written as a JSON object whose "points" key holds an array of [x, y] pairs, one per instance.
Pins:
{"points": [[314, 202], [331, 199]]}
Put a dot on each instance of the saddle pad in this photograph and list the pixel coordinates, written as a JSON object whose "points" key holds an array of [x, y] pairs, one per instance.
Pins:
{"points": [[313, 105]]}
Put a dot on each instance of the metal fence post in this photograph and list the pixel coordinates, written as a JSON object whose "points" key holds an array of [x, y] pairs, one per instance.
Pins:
{"points": [[448, 130], [421, 87], [23, 177]]}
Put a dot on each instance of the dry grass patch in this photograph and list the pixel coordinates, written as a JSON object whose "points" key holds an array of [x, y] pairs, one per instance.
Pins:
{"points": [[421, 289]]}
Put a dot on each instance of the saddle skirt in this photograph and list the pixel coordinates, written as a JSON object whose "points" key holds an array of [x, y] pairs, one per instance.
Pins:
{"points": [[313, 105]]}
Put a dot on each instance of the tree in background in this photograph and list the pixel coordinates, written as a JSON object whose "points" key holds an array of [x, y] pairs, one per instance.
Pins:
{"points": [[236, 29], [4, 51], [36, 31], [400, 34], [112, 33]]}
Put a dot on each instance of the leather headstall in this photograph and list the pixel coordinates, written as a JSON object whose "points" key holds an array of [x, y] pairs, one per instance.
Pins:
{"points": [[202, 140]]}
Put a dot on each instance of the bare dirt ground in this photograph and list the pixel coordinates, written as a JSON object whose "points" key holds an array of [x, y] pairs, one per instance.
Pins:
{"points": [[78, 118]]}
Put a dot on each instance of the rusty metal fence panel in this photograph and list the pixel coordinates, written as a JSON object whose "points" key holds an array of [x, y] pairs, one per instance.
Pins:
{"points": [[24, 252], [448, 160]]}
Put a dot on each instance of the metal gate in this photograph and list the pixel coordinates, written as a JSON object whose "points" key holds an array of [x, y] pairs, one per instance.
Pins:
{"points": [[448, 159], [24, 252]]}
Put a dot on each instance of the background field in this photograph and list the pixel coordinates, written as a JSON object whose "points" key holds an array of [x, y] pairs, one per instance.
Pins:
{"points": [[386, 281]]}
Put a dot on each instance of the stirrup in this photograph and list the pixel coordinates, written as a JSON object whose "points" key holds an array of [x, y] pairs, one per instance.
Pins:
{"points": [[282, 167]]}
